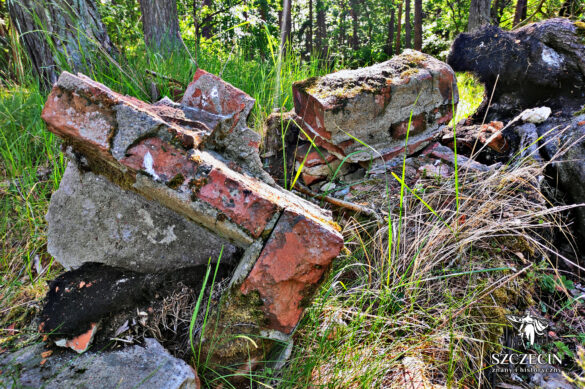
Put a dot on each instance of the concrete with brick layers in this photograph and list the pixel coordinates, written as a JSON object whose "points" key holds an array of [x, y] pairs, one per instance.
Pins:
{"points": [[183, 175]]}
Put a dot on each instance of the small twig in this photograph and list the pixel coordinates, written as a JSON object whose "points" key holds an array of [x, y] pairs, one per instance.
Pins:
{"points": [[152, 73], [338, 202]]}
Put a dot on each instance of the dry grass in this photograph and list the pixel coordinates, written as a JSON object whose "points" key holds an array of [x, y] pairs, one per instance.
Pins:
{"points": [[430, 306]]}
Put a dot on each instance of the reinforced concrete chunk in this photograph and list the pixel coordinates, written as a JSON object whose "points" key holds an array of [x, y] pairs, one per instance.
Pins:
{"points": [[92, 220], [374, 105]]}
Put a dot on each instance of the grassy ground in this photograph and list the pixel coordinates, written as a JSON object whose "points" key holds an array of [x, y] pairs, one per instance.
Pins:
{"points": [[422, 295]]}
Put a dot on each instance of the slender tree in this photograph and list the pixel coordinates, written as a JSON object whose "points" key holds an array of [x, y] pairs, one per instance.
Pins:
{"points": [[390, 39], [407, 31], [321, 40], [399, 28], [285, 25], [310, 33], [58, 34], [342, 30], [418, 32], [160, 25], [355, 40], [521, 9]]}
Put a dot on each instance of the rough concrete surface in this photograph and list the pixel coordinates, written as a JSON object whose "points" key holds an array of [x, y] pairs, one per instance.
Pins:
{"points": [[149, 367], [93, 220], [374, 105]]}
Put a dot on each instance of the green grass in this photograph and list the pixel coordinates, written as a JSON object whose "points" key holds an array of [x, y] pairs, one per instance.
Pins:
{"points": [[471, 93], [30, 170]]}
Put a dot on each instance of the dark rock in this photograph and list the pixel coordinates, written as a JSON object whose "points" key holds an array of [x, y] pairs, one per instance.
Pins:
{"points": [[539, 64], [145, 367], [563, 143]]}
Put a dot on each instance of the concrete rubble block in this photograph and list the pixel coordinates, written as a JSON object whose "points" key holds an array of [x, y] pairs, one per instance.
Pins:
{"points": [[146, 367], [182, 170], [92, 220], [209, 93], [374, 105]]}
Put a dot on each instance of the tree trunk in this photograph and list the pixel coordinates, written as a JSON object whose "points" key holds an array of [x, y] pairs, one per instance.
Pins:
{"points": [[566, 9], [521, 9], [494, 12], [479, 14], [206, 25], [418, 25], [399, 29], [310, 35], [390, 40], [342, 32], [321, 30], [285, 26], [160, 25], [407, 31], [60, 34], [355, 41]]}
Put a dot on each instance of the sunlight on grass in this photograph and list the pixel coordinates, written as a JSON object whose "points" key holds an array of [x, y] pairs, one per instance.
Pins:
{"points": [[471, 93]]}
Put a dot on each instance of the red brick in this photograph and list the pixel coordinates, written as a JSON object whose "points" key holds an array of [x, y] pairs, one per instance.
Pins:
{"points": [[417, 125], [235, 195], [309, 179], [212, 94], [314, 157], [291, 266], [241, 202]]}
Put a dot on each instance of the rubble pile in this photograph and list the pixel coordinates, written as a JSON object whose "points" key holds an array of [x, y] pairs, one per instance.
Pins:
{"points": [[372, 114], [153, 192]]}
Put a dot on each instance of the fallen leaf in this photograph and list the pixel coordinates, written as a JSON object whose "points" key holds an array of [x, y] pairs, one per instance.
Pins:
{"points": [[521, 256], [47, 353]]}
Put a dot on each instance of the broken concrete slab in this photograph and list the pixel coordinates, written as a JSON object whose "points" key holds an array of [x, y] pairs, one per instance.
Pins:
{"points": [[374, 105], [150, 366], [92, 220], [177, 163], [233, 139]]}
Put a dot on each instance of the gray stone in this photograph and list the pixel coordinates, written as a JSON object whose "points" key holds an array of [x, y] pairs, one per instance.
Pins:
{"points": [[563, 143], [92, 220], [144, 367], [132, 124]]}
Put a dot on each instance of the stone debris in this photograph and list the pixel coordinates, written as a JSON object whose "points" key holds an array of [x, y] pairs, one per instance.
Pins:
{"points": [[134, 233], [149, 366], [182, 181], [374, 106], [485, 140], [535, 115], [80, 343]]}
